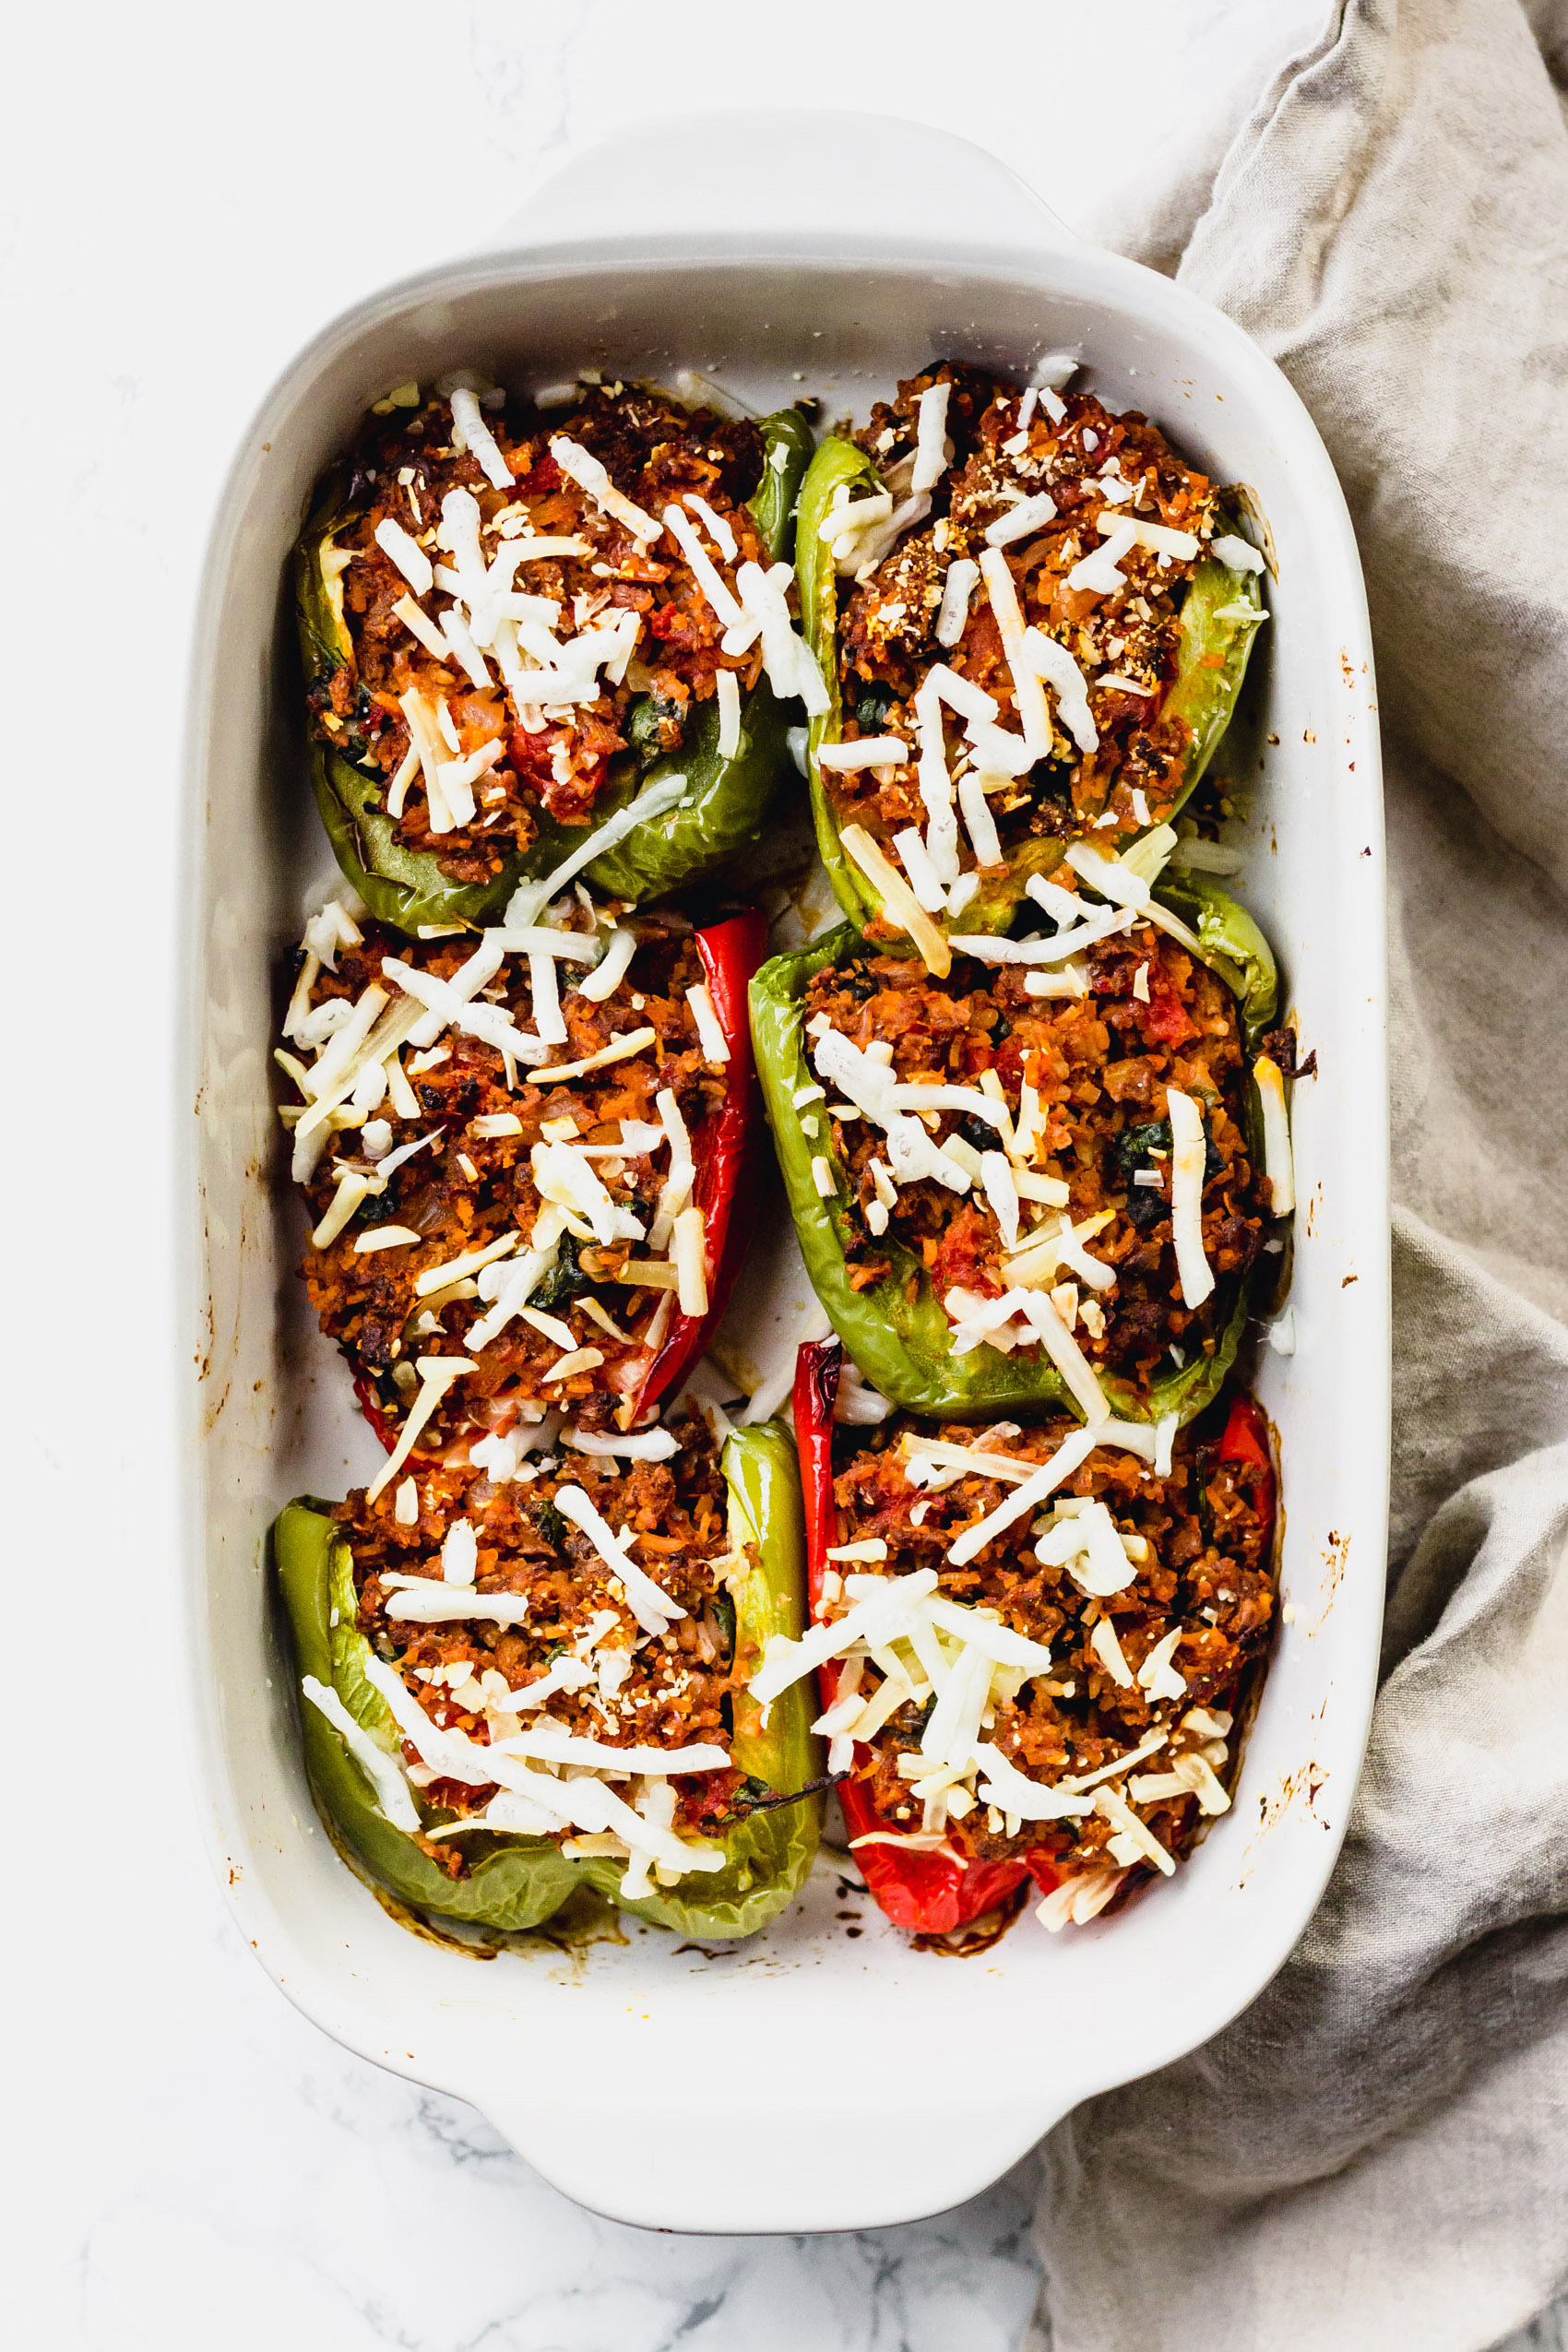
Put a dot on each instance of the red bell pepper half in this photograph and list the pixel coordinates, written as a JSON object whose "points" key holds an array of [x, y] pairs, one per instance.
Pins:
{"points": [[927, 1893], [1246, 1442], [723, 1147]]}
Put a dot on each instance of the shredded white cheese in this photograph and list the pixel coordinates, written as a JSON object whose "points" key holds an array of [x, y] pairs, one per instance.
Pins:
{"points": [[386, 1237], [689, 1244], [727, 687], [1096, 573], [619, 1050], [1056, 666], [958, 589], [930, 438], [436, 1374], [710, 1035], [383, 1771], [1187, 1155], [649, 1604], [1030, 514], [1277, 1159], [720, 595], [1028, 692], [719, 530], [460, 643], [925, 880], [1237, 556], [630, 1445], [579, 465], [898, 900], [470, 431], [407, 554], [848, 517], [1157, 536], [1074, 1449], [870, 750], [978, 822]]}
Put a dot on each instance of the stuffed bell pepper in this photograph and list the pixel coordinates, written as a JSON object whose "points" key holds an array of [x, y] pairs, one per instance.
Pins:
{"points": [[525, 1158], [1034, 620], [512, 1686], [1031, 1647], [1046, 1177], [513, 625]]}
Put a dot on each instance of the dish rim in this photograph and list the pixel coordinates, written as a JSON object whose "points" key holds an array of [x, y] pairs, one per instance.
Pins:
{"points": [[516, 266]]}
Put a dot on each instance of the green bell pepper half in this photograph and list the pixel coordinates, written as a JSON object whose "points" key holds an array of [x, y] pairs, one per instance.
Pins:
{"points": [[515, 1882], [1205, 697], [903, 1345], [722, 814]]}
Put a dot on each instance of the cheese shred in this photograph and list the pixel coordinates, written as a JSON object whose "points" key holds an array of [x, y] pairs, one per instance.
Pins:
{"points": [[1277, 1159], [1188, 1152], [900, 901]]}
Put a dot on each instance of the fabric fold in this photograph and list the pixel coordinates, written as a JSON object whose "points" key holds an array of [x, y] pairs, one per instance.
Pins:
{"points": [[1375, 2152]]}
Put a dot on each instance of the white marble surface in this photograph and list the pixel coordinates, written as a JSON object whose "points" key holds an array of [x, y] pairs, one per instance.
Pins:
{"points": [[192, 190]]}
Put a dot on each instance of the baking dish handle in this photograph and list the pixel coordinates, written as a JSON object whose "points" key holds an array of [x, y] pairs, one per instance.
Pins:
{"points": [[808, 174]]}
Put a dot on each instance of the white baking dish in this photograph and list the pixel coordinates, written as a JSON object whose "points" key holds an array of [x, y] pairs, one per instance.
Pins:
{"points": [[810, 2080]]}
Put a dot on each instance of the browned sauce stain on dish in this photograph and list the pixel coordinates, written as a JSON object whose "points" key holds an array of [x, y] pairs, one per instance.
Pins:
{"points": [[213, 1407], [208, 1314], [1303, 1783], [1251, 506], [980, 1935], [1300, 1787], [1334, 1561], [214, 1412], [587, 1918], [1336, 1553]]}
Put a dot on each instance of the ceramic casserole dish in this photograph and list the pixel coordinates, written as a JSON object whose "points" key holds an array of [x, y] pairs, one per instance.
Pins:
{"points": [[847, 252]]}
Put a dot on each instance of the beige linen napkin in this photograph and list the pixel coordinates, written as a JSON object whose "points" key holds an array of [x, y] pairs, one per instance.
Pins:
{"points": [[1376, 2153]]}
